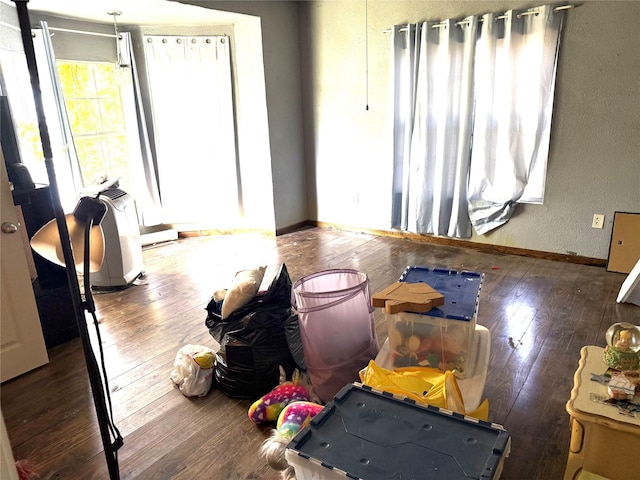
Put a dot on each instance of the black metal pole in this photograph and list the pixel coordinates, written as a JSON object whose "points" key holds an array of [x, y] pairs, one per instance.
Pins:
{"points": [[95, 379]]}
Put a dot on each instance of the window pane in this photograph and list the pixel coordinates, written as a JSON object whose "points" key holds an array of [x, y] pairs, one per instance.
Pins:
{"points": [[104, 84], [84, 116], [92, 154], [65, 73], [92, 97], [15, 75], [83, 84], [111, 111]]}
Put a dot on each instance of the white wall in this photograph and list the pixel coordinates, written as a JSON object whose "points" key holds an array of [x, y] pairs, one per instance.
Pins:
{"points": [[331, 158], [594, 164], [281, 54], [253, 127]]}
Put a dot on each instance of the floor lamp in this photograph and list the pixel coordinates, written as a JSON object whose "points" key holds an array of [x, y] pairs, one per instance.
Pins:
{"points": [[57, 241]]}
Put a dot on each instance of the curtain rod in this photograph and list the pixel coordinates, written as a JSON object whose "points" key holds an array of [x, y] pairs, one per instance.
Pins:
{"points": [[532, 11], [82, 32]]}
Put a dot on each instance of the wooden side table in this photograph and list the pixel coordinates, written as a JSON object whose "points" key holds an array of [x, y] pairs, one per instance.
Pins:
{"points": [[604, 441]]}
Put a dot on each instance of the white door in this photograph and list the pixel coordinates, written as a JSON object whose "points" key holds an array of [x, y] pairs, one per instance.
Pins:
{"points": [[7, 465], [22, 346]]}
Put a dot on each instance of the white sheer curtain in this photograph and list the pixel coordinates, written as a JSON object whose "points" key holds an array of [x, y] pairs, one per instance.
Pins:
{"points": [[143, 168], [65, 159], [516, 60], [472, 117], [433, 106], [191, 98]]}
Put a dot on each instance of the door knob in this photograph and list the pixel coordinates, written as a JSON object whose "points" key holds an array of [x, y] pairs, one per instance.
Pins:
{"points": [[8, 227]]}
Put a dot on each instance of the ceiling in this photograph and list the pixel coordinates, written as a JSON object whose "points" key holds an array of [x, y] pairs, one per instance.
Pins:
{"points": [[134, 12]]}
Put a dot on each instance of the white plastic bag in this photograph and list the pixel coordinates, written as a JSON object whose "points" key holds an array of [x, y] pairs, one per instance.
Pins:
{"points": [[193, 370]]}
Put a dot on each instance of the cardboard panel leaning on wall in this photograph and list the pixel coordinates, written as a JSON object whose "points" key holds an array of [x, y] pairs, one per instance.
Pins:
{"points": [[624, 250]]}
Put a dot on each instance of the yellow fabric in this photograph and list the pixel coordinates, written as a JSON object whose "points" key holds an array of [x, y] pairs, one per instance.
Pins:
{"points": [[482, 412], [422, 384]]}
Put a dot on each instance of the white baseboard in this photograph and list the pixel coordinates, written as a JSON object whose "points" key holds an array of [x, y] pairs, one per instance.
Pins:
{"points": [[160, 236]]}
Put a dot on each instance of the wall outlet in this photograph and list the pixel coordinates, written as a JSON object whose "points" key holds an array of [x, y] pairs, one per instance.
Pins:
{"points": [[598, 221]]}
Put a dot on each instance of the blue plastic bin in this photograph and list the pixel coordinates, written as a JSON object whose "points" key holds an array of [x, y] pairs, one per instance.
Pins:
{"points": [[370, 435]]}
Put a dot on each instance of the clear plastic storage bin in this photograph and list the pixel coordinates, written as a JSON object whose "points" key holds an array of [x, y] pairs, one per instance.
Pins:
{"points": [[442, 337], [370, 435]]}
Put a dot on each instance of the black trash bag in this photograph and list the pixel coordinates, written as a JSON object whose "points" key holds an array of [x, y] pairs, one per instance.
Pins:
{"points": [[292, 332], [253, 343]]}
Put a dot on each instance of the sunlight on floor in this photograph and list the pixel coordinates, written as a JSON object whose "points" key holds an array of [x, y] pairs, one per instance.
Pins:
{"points": [[519, 317]]}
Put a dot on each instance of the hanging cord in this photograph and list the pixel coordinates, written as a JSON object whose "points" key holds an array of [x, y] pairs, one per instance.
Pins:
{"points": [[117, 437], [366, 48], [90, 307]]}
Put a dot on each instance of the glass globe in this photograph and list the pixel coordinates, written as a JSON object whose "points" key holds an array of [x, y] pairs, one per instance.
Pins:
{"points": [[623, 336]]}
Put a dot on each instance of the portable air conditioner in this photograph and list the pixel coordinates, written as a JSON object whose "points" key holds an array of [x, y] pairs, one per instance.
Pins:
{"points": [[123, 249]]}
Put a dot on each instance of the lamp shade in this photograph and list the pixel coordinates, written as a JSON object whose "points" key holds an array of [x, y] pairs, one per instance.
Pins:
{"points": [[46, 241]]}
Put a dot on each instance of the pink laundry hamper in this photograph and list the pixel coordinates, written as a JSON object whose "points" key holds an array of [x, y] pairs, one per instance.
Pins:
{"points": [[336, 327]]}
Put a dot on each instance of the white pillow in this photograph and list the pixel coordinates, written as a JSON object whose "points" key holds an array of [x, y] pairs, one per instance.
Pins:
{"points": [[244, 287]]}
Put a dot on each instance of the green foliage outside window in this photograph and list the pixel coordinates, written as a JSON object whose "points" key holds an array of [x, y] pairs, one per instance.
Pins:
{"points": [[92, 98], [30, 144]]}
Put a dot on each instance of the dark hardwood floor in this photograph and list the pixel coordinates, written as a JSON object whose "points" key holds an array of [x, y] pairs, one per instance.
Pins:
{"points": [[540, 313]]}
